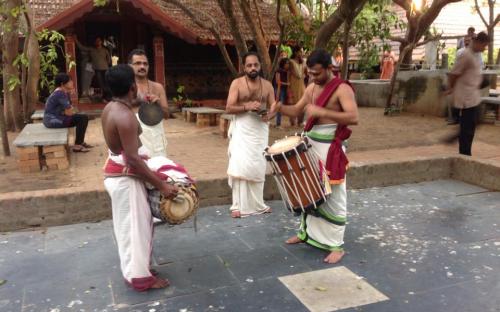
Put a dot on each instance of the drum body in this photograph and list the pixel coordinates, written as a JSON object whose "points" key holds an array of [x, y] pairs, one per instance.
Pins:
{"points": [[296, 170], [177, 210]]}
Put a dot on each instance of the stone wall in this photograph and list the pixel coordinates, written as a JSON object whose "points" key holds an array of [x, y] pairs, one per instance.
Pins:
{"points": [[75, 205], [419, 91]]}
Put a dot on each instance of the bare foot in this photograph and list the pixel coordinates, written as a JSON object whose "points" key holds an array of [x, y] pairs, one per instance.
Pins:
{"points": [[160, 283], [268, 210], [235, 214], [294, 240], [334, 257]]}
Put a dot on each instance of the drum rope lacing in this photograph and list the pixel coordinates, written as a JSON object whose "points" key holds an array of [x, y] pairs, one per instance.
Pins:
{"points": [[282, 183]]}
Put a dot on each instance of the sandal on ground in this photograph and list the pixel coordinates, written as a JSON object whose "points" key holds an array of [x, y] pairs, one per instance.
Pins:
{"points": [[80, 149], [87, 145]]}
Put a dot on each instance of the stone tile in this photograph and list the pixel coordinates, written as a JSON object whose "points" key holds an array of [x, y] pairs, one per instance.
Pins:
{"points": [[187, 244], [331, 289], [448, 188], [76, 295], [11, 297], [262, 263]]}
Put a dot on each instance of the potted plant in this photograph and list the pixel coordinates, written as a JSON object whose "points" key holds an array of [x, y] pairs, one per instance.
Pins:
{"points": [[181, 99]]}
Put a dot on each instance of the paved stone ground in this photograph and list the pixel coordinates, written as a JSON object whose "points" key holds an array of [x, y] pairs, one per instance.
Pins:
{"points": [[432, 246]]}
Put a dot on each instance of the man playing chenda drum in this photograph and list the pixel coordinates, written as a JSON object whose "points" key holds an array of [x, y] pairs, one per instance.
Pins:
{"points": [[249, 131], [132, 221], [330, 106]]}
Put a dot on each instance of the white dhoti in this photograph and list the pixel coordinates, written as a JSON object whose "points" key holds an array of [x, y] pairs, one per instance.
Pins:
{"points": [[247, 166], [133, 227], [326, 228], [154, 138]]}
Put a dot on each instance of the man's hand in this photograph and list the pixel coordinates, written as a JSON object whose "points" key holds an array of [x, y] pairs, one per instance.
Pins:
{"points": [[314, 111], [151, 98], [169, 191], [252, 106]]}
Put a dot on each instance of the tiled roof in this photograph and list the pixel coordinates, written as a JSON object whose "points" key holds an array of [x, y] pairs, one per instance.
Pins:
{"points": [[46, 10]]}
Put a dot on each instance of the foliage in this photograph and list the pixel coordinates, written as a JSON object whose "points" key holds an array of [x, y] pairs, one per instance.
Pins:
{"points": [[452, 55], [181, 99], [50, 42], [100, 3], [375, 21]]}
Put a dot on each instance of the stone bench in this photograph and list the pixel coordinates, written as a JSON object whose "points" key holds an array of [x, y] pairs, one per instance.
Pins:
{"points": [[491, 109], [38, 147], [37, 116], [203, 116], [224, 121]]}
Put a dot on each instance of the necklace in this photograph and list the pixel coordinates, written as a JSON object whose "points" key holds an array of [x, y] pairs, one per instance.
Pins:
{"points": [[250, 91]]}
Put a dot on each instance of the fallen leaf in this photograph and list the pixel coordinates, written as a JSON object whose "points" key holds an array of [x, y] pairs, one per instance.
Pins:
{"points": [[2, 282], [320, 288]]}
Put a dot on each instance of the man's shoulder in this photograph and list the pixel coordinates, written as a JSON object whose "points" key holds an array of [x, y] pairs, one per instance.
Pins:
{"points": [[156, 85]]}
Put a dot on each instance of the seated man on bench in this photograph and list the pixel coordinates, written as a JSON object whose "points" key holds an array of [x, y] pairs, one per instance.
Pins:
{"points": [[59, 112]]}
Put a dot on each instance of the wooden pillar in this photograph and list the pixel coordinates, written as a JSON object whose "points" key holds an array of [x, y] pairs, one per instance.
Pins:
{"points": [[70, 49], [159, 59]]}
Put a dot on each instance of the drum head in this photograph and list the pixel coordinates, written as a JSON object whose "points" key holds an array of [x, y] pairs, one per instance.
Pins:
{"points": [[179, 209], [284, 145], [150, 114]]}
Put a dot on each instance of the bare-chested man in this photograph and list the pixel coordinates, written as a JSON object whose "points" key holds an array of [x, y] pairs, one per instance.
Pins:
{"points": [[330, 106], [125, 173], [249, 97], [148, 91]]}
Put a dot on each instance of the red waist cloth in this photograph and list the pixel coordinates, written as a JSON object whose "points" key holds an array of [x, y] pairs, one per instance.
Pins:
{"points": [[336, 160], [113, 169]]}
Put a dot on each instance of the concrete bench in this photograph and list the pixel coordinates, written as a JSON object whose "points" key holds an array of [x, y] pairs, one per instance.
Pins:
{"points": [[203, 116], [37, 116], [38, 146], [491, 109], [224, 121]]}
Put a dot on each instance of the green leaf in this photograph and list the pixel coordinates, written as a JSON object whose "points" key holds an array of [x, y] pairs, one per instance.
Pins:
{"points": [[2, 282]]}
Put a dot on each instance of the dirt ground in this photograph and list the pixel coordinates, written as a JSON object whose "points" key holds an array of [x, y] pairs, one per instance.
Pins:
{"points": [[204, 152]]}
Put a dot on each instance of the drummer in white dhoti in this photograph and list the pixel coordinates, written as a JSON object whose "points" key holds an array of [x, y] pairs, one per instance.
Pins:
{"points": [[150, 93], [330, 106], [125, 173], [249, 96]]}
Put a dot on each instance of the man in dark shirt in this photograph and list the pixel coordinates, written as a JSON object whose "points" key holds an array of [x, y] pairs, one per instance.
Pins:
{"points": [[59, 112]]}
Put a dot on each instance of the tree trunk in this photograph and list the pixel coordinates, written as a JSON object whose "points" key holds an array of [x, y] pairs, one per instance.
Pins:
{"points": [[394, 77], [333, 23], [13, 117], [345, 50], [32, 51], [491, 31], [3, 132], [259, 40], [239, 42], [408, 57]]}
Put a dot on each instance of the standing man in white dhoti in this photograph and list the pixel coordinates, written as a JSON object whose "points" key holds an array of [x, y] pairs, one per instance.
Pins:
{"points": [[330, 105], [125, 173], [249, 96], [149, 92]]}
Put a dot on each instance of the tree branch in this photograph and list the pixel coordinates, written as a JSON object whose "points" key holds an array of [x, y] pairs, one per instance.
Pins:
{"points": [[239, 42], [478, 10], [439, 37], [333, 23], [280, 42], [495, 22], [211, 25], [404, 4]]}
